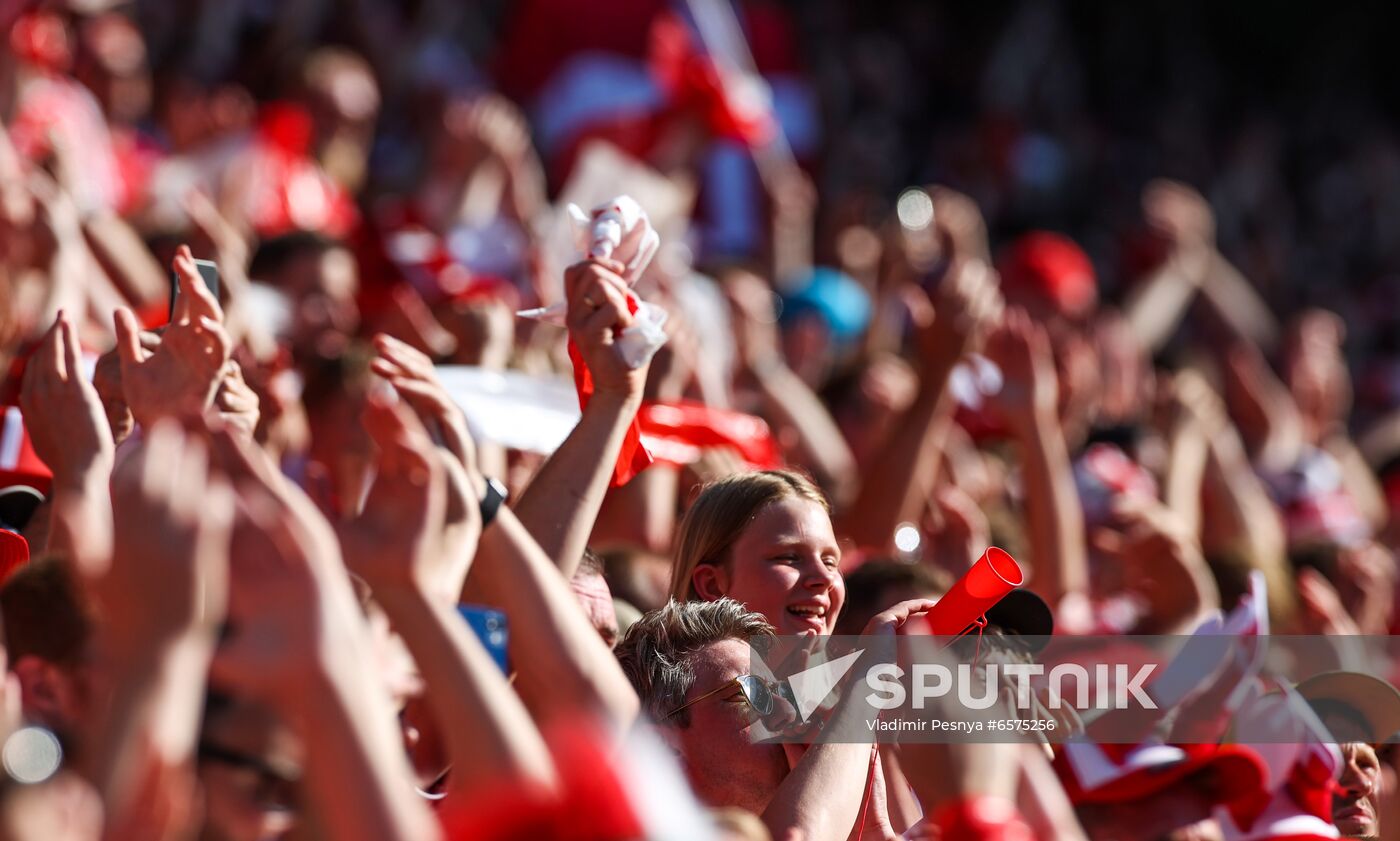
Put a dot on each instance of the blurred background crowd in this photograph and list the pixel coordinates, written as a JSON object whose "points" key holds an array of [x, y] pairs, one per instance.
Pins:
{"points": [[1108, 285]]}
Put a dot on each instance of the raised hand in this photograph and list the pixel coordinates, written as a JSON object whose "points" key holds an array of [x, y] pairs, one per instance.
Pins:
{"points": [[169, 574], [959, 224], [235, 401], [490, 126], [401, 541], [955, 233], [888, 622], [957, 317], [1160, 560], [181, 376], [414, 380], [1315, 371], [959, 531], [1126, 372], [60, 216], [1179, 214], [195, 300], [597, 297], [63, 413], [107, 380], [751, 308], [1262, 408], [1366, 577], [411, 373], [290, 601], [1021, 349], [299, 641], [161, 603], [1320, 608]]}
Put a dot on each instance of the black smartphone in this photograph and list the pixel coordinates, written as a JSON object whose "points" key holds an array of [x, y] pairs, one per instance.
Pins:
{"points": [[208, 272], [491, 628]]}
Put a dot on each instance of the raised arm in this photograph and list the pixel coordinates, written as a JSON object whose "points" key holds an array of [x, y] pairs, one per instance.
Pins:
{"points": [[1239, 304], [161, 604], [118, 249], [420, 523], [562, 502], [1183, 221], [901, 478], [794, 201], [180, 377], [65, 421], [299, 642], [1269, 423], [563, 663], [1156, 306], [1027, 403], [786, 399], [76, 283], [1235, 517]]}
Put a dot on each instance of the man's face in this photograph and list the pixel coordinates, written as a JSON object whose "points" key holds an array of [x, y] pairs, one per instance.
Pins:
{"points": [[724, 767], [249, 767], [595, 598], [322, 287], [1354, 805]]}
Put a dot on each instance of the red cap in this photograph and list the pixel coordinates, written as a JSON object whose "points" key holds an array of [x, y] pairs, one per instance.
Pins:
{"points": [[287, 126], [19, 464], [1050, 268], [1239, 773]]}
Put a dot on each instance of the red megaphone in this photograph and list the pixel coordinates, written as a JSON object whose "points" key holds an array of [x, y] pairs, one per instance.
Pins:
{"points": [[994, 575]]}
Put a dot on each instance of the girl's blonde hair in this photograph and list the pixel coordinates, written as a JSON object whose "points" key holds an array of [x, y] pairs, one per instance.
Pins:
{"points": [[721, 512]]}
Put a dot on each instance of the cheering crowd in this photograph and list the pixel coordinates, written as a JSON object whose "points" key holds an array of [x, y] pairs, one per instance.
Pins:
{"points": [[279, 559]]}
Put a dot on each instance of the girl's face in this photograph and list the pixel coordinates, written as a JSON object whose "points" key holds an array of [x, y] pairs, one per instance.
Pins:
{"points": [[784, 566]]}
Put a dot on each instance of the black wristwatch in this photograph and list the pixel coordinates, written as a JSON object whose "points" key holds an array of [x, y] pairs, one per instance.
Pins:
{"points": [[492, 500]]}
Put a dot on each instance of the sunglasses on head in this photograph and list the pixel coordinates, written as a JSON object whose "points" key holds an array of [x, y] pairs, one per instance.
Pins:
{"points": [[758, 693]]}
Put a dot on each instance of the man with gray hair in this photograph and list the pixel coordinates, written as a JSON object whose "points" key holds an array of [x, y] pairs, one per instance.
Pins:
{"points": [[689, 662]]}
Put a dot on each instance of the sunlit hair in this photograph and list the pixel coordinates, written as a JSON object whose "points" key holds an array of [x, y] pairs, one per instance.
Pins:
{"points": [[720, 514], [655, 653]]}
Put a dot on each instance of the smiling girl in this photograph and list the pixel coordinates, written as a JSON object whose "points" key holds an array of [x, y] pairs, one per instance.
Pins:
{"points": [[763, 539]]}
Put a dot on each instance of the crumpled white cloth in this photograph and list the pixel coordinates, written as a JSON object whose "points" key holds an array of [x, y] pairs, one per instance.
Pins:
{"points": [[620, 230]]}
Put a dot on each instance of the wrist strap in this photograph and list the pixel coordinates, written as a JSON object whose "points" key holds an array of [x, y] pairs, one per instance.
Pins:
{"points": [[492, 501]]}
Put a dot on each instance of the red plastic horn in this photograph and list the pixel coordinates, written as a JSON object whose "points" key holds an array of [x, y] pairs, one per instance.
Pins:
{"points": [[994, 575]]}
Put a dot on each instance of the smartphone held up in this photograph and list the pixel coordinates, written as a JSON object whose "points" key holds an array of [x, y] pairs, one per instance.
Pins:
{"points": [[208, 272]]}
